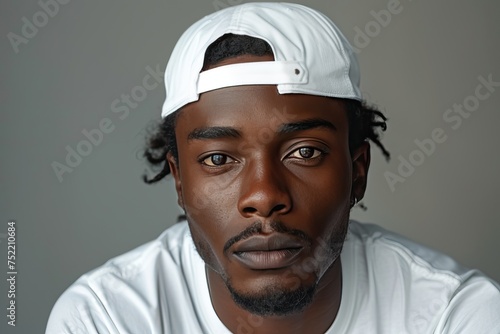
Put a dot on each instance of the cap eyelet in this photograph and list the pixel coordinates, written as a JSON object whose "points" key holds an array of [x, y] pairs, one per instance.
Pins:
{"points": [[297, 71]]}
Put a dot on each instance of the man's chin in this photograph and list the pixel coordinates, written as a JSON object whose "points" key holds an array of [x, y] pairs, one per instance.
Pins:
{"points": [[273, 300]]}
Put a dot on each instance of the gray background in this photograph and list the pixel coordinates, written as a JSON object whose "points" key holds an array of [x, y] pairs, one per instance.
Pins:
{"points": [[66, 77]]}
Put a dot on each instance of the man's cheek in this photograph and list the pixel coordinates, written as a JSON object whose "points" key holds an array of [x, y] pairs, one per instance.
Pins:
{"points": [[209, 244], [198, 200], [205, 193]]}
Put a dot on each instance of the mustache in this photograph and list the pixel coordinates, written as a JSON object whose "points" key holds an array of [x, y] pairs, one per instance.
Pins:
{"points": [[256, 228]]}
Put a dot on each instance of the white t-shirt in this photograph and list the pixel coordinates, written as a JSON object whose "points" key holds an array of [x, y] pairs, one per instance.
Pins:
{"points": [[390, 285]]}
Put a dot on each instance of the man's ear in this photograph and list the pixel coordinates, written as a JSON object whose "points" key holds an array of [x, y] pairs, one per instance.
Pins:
{"points": [[174, 170], [360, 164]]}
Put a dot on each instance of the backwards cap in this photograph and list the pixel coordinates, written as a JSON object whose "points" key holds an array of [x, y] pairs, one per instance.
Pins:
{"points": [[311, 55]]}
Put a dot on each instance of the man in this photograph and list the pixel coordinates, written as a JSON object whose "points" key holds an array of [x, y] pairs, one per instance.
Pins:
{"points": [[265, 134]]}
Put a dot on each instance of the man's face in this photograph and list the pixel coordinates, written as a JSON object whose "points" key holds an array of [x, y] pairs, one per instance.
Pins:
{"points": [[266, 181]]}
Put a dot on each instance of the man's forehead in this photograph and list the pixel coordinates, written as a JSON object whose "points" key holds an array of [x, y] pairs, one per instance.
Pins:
{"points": [[236, 110]]}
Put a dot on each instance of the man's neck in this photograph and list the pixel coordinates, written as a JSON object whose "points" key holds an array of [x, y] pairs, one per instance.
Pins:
{"points": [[317, 317]]}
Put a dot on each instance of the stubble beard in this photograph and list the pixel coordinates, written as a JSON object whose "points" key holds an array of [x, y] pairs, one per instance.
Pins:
{"points": [[275, 300], [280, 302]]}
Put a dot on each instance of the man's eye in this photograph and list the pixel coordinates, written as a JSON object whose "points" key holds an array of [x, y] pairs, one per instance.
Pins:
{"points": [[215, 160], [306, 153]]}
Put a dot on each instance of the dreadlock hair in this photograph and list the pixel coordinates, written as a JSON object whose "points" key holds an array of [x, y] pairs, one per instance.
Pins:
{"points": [[364, 120]]}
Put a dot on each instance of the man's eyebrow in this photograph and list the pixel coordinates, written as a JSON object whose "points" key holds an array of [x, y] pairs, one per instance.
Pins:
{"points": [[214, 132], [306, 124]]}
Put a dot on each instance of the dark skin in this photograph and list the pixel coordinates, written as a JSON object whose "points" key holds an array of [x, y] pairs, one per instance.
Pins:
{"points": [[249, 156]]}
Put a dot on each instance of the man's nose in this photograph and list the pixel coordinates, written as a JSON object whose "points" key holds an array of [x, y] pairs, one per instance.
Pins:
{"points": [[264, 190]]}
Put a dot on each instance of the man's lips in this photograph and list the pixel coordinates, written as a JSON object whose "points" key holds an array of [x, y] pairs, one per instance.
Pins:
{"points": [[268, 252]]}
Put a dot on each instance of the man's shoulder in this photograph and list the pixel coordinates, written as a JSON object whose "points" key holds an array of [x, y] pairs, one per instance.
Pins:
{"points": [[382, 246], [385, 272], [167, 251], [168, 246], [391, 261], [128, 285]]}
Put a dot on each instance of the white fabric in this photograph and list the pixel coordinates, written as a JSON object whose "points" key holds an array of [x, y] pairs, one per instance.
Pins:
{"points": [[390, 285], [295, 33], [262, 73]]}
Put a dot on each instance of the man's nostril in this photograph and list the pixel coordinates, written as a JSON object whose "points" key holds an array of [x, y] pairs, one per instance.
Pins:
{"points": [[279, 207], [249, 210]]}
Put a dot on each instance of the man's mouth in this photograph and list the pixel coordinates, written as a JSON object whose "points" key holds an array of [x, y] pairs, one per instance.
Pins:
{"points": [[268, 252]]}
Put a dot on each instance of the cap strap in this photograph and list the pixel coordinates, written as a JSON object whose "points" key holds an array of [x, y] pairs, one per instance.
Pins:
{"points": [[254, 73]]}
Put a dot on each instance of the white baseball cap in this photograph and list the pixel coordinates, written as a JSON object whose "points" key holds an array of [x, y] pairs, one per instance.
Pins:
{"points": [[311, 55]]}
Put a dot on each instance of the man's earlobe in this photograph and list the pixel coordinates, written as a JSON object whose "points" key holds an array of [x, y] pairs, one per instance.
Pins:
{"points": [[174, 170], [360, 165]]}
